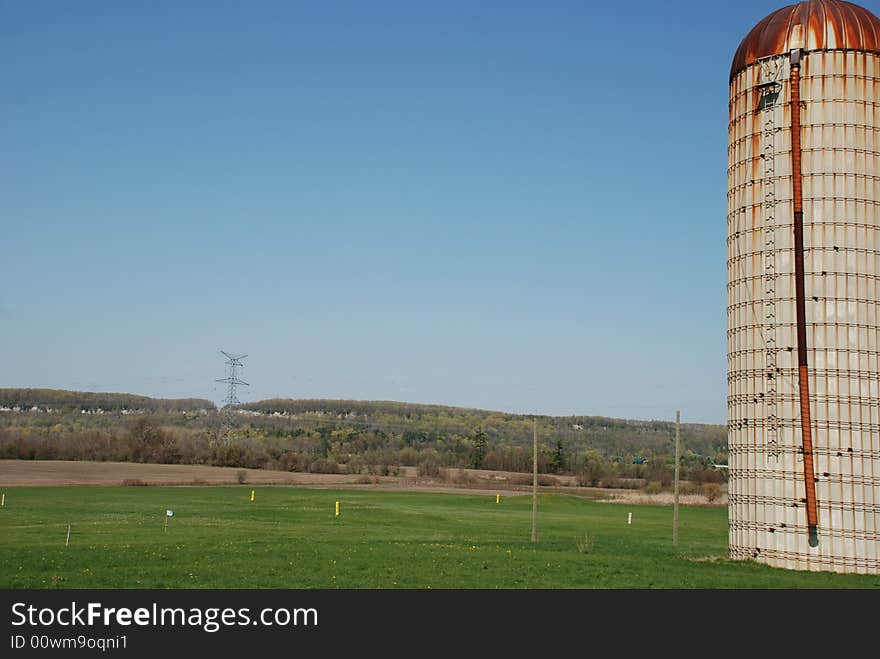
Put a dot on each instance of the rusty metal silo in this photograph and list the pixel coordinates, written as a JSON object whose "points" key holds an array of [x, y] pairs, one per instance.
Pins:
{"points": [[804, 290]]}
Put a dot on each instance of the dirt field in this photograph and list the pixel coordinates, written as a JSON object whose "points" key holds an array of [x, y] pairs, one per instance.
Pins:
{"points": [[59, 472]]}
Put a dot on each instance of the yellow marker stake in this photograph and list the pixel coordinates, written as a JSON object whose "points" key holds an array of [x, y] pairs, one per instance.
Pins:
{"points": [[3, 500], [252, 496], [337, 509], [497, 498]]}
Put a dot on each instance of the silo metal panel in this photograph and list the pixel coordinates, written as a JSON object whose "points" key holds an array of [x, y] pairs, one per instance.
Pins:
{"points": [[840, 140]]}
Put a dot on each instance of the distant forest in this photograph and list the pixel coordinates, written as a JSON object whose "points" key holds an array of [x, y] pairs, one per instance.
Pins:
{"points": [[67, 401], [374, 437]]}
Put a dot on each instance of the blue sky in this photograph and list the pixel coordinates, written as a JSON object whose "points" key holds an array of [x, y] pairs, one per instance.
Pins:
{"points": [[516, 206]]}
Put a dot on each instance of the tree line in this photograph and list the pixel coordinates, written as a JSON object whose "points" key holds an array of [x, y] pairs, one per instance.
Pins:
{"points": [[61, 399], [357, 436]]}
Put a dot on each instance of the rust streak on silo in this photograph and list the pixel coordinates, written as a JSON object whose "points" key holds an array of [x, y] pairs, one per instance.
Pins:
{"points": [[800, 296]]}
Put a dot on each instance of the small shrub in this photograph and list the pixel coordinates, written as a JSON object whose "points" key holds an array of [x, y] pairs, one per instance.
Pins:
{"points": [[583, 479], [382, 469], [241, 476], [324, 466], [654, 487], [663, 474], [428, 468], [289, 461], [623, 483], [526, 479], [459, 476], [711, 491], [408, 456], [687, 487], [354, 465], [708, 475], [585, 543], [133, 482]]}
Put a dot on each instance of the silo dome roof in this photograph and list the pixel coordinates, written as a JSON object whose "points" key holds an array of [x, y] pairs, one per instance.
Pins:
{"points": [[827, 25]]}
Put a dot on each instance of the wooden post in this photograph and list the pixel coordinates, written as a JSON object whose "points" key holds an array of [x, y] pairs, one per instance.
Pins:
{"points": [[535, 483], [675, 489]]}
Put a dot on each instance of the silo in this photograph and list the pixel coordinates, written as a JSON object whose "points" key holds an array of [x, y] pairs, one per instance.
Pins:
{"points": [[804, 290]]}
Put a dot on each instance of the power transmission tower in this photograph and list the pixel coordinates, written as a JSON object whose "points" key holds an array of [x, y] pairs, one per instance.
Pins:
{"points": [[233, 363]]}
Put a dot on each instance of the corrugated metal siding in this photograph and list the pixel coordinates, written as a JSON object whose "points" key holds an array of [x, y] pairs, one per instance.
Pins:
{"points": [[840, 93], [827, 25]]}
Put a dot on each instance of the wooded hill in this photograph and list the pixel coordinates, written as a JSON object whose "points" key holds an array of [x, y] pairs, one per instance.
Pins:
{"points": [[312, 435], [67, 401], [419, 423]]}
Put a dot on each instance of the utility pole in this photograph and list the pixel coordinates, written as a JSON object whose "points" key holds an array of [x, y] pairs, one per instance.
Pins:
{"points": [[535, 482], [675, 490]]}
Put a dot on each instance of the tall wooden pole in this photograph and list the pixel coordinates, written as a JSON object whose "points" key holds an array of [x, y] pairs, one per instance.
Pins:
{"points": [[675, 490], [535, 483]]}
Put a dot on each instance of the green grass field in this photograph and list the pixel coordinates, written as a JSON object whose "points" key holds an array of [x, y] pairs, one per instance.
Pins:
{"points": [[291, 538]]}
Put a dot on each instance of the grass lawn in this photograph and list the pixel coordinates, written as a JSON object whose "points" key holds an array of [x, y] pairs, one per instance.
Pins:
{"points": [[291, 538]]}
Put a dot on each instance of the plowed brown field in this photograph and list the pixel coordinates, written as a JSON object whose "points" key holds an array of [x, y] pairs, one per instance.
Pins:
{"points": [[60, 472]]}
